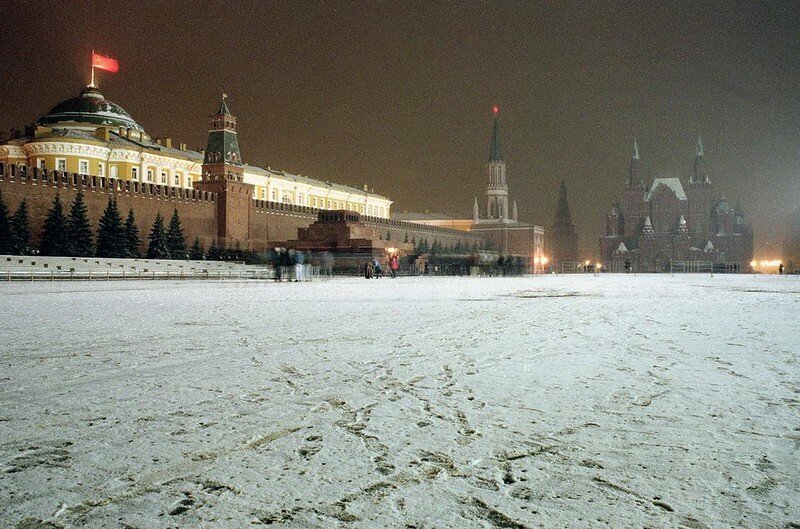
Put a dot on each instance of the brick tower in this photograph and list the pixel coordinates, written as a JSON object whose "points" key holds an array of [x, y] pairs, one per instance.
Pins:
{"points": [[223, 174], [699, 192]]}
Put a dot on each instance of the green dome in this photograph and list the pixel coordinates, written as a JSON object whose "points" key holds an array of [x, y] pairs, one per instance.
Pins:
{"points": [[89, 107]]}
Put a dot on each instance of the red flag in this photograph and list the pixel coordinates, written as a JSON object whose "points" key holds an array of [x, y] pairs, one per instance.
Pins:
{"points": [[104, 63]]}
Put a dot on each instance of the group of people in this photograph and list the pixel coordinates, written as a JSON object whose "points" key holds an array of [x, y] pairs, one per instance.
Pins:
{"points": [[373, 268], [290, 265]]}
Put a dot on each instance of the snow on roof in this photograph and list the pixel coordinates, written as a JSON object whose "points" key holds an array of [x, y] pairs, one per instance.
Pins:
{"points": [[673, 183], [709, 246], [622, 247]]}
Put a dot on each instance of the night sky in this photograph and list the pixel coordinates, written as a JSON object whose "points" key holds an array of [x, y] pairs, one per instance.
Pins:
{"points": [[399, 94]]}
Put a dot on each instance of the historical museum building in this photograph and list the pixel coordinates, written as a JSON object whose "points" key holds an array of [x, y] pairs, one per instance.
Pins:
{"points": [[497, 223], [665, 224]]}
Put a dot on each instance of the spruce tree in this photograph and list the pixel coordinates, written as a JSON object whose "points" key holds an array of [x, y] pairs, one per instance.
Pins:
{"points": [[54, 233], [21, 230], [110, 233], [176, 242], [213, 252], [133, 242], [196, 252], [79, 229], [5, 228], [157, 248]]}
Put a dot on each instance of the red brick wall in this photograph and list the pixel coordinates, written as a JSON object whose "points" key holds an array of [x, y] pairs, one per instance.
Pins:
{"points": [[196, 209]]}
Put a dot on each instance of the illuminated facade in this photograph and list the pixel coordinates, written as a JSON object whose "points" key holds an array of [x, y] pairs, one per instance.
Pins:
{"points": [[91, 135], [665, 224]]}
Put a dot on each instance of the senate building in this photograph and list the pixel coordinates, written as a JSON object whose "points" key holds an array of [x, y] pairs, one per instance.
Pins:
{"points": [[90, 135]]}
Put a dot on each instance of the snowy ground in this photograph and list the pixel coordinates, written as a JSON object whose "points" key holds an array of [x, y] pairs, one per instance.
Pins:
{"points": [[571, 401]]}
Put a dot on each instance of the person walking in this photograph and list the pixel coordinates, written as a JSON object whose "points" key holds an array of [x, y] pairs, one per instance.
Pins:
{"points": [[275, 259], [368, 270], [327, 263], [286, 264], [394, 265], [299, 266], [376, 267]]}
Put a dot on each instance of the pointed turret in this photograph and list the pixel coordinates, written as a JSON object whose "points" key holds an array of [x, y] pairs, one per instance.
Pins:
{"points": [[514, 212], [683, 227], [475, 211], [495, 153], [634, 179], [699, 174], [648, 226]]}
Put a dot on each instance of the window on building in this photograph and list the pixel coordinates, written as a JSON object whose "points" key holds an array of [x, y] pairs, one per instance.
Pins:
{"points": [[263, 193], [163, 177], [113, 171], [274, 195], [83, 166], [61, 164], [149, 175], [329, 204], [101, 169], [176, 180], [40, 163], [134, 173]]}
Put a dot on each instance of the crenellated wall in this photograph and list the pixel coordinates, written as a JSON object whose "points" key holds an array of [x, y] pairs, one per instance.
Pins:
{"points": [[267, 223], [39, 187]]}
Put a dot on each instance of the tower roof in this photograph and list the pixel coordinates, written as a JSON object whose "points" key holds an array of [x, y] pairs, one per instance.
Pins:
{"points": [[495, 154], [699, 151], [635, 155], [223, 106]]}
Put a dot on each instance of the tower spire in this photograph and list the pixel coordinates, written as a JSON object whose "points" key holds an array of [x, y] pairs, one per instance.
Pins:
{"points": [[633, 172], [699, 174], [497, 190], [495, 154]]}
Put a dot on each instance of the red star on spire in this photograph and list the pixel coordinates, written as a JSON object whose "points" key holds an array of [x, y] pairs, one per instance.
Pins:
{"points": [[495, 109]]}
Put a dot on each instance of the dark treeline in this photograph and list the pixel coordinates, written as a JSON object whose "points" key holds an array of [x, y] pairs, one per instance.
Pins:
{"points": [[71, 234]]}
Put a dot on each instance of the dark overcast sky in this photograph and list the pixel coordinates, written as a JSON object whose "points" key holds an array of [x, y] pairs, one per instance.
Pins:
{"points": [[398, 94]]}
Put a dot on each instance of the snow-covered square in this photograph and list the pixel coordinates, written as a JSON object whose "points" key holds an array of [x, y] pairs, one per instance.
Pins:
{"points": [[549, 401]]}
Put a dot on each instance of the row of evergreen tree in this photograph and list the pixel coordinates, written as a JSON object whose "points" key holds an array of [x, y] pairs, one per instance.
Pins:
{"points": [[72, 234]]}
